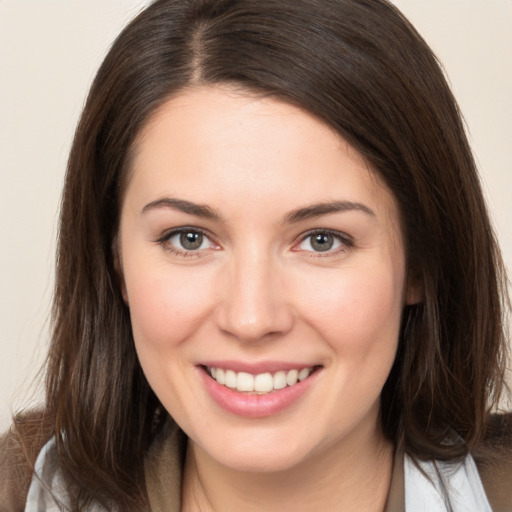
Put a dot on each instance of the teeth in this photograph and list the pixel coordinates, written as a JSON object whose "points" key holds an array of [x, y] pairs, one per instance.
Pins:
{"points": [[230, 379], [304, 373], [262, 383], [280, 380], [291, 377], [245, 382], [220, 376]]}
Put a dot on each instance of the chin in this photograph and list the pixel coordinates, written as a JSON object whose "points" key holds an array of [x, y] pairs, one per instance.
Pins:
{"points": [[259, 454], [261, 462]]}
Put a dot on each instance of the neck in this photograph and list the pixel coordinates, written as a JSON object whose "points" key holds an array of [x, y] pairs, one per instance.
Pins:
{"points": [[354, 474]]}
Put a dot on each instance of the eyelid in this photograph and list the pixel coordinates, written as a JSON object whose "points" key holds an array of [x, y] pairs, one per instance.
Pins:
{"points": [[163, 240], [346, 242]]}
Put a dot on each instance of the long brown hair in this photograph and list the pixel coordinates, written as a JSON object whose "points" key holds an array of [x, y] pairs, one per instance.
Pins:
{"points": [[362, 68]]}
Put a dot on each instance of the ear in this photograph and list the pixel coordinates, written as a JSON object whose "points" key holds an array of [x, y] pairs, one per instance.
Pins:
{"points": [[414, 290], [118, 267]]}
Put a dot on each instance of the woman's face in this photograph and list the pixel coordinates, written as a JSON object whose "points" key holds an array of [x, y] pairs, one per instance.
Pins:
{"points": [[256, 245]]}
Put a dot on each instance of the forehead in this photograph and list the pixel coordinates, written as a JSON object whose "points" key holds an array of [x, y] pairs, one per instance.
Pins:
{"points": [[232, 149]]}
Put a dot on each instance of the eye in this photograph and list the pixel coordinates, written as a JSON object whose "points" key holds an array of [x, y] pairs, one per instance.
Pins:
{"points": [[323, 242], [189, 240], [186, 241]]}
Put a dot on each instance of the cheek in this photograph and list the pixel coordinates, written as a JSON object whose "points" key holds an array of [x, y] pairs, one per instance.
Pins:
{"points": [[362, 312], [165, 307]]}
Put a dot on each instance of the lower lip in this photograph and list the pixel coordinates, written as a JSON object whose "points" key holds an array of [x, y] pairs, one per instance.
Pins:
{"points": [[256, 406]]}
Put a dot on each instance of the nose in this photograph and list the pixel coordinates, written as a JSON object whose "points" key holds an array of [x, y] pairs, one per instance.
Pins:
{"points": [[254, 304]]}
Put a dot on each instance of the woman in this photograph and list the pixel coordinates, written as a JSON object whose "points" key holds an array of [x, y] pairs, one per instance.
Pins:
{"points": [[277, 285]]}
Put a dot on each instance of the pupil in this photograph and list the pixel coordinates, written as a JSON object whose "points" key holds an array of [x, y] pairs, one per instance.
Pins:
{"points": [[322, 242], [191, 241]]}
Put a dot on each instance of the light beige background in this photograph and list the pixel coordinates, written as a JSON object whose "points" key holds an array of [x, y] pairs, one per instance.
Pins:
{"points": [[49, 51]]}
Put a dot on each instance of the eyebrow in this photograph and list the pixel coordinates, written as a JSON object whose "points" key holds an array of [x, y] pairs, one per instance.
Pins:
{"points": [[298, 215], [319, 209], [197, 210]]}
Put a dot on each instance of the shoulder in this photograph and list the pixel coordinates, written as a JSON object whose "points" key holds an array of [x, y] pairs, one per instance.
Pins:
{"points": [[19, 448], [494, 460]]}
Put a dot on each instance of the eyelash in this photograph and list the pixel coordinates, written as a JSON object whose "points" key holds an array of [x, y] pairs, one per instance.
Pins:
{"points": [[164, 241], [345, 241]]}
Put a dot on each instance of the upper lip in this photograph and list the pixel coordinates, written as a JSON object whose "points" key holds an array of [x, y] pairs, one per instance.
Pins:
{"points": [[256, 368]]}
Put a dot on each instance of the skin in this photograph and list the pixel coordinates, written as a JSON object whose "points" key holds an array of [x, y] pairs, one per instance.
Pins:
{"points": [[257, 291]]}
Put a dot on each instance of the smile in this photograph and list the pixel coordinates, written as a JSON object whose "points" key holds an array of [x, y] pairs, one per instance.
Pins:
{"points": [[257, 391], [262, 383]]}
